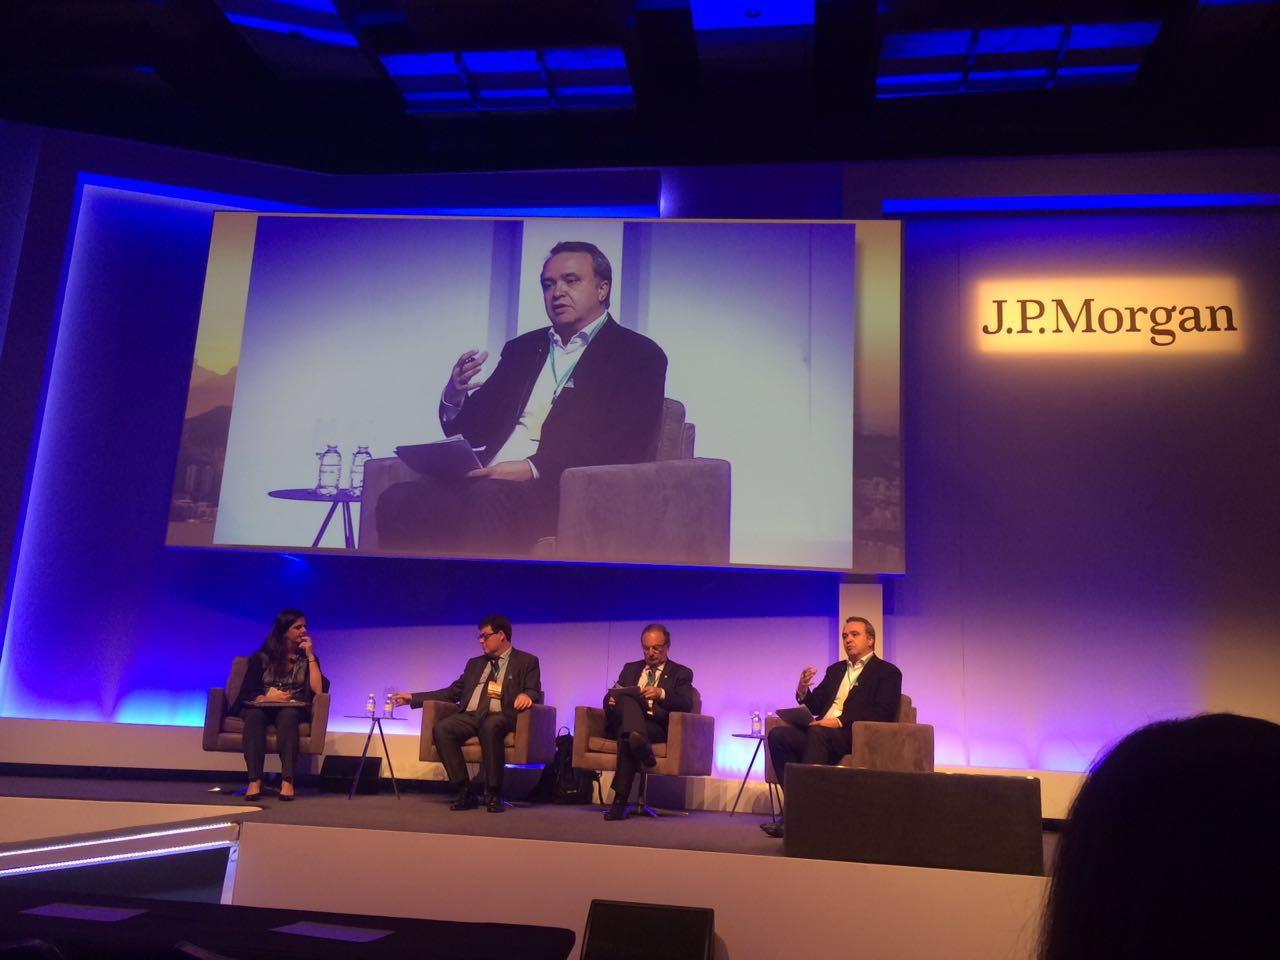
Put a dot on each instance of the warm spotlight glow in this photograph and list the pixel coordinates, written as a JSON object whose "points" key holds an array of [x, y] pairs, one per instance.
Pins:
{"points": [[1095, 315]]}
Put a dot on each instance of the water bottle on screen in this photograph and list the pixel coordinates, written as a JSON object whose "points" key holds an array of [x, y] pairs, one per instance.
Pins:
{"points": [[388, 706], [358, 460], [370, 706], [756, 727], [330, 470]]}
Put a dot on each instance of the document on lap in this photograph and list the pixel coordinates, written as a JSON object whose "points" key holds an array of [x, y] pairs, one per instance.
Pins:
{"points": [[799, 716], [443, 458]]}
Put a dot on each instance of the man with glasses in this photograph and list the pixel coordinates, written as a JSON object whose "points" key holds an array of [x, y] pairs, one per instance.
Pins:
{"points": [[638, 709], [493, 688], [863, 687]]}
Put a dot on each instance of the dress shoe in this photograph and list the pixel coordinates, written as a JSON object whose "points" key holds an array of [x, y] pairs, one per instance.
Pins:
{"points": [[287, 797], [465, 800], [642, 751], [493, 803], [253, 797], [774, 830], [617, 811]]}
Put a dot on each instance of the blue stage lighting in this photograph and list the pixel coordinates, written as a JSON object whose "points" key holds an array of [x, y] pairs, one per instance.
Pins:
{"points": [[734, 14], [1099, 36], [931, 43], [1007, 79], [1082, 202], [316, 6], [419, 64], [1020, 39], [500, 61], [335, 38], [584, 58], [1115, 72], [615, 90]]}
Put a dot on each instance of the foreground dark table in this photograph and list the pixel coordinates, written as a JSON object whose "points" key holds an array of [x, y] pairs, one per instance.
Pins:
{"points": [[249, 933]]}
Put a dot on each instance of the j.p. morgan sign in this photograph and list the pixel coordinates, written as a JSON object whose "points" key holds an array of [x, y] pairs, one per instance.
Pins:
{"points": [[1169, 314]]}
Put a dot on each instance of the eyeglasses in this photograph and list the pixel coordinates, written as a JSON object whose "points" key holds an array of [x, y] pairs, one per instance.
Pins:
{"points": [[482, 637]]}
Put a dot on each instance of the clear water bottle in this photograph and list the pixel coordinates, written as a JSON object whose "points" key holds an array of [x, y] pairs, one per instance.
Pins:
{"points": [[358, 460], [371, 706], [388, 706], [756, 728], [330, 470]]}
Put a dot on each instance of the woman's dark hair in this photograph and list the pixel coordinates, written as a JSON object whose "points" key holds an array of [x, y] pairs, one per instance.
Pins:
{"points": [[274, 647], [1167, 845]]}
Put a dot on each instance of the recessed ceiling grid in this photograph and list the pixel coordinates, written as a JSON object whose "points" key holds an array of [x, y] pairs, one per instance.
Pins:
{"points": [[1038, 57], [510, 79]]}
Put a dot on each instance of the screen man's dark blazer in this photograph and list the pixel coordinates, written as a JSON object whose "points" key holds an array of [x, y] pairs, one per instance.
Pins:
{"points": [[876, 696], [523, 676], [676, 683], [608, 411]]}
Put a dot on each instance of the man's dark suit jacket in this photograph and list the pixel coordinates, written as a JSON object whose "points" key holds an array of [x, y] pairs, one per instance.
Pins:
{"points": [[676, 684], [523, 676], [608, 411], [876, 696]]}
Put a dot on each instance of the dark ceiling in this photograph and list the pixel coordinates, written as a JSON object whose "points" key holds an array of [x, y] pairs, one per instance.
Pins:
{"points": [[703, 81]]}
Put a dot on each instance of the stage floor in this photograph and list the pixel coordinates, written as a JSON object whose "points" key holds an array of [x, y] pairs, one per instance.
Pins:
{"points": [[410, 848], [428, 812]]}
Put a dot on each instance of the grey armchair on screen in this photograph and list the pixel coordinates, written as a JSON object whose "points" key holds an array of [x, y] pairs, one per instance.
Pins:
{"points": [[672, 509]]}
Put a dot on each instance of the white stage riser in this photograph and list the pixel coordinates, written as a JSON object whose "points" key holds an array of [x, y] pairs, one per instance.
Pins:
{"points": [[78, 743], [765, 907]]}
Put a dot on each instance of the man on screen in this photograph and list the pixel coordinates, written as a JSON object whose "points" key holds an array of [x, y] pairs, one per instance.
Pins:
{"points": [[583, 391], [656, 688], [863, 687], [492, 689]]}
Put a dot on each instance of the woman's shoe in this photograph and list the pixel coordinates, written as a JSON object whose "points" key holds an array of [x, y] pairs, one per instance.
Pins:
{"points": [[287, 797], [251, 797]]}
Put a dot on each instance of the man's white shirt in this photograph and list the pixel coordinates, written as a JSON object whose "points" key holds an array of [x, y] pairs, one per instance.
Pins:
{"points": [[561, 359], [852, 672]]}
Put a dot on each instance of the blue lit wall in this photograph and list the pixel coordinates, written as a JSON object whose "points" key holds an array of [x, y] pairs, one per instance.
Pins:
{"points": [[105, 624], [1088, 538], [1090, 545]]}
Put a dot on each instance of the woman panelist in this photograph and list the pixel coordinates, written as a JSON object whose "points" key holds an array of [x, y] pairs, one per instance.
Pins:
{"points": [[281, 680]]}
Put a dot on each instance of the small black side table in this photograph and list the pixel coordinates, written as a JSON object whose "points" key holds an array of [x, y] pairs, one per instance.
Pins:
{"points": [[759, 739], [344, 497], [375, 723]]}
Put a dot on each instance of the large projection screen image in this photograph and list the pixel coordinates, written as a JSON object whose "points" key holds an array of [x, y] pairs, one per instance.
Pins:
{"points": [[655, 391]]}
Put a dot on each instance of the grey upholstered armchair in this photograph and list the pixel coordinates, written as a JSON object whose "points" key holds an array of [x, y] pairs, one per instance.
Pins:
{"points": [[672, 509], [532, 741], [901, 745], [687, 752], [223, 732]]}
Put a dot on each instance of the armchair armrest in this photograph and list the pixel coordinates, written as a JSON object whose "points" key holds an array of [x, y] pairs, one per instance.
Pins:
{"points": [[536, 734], [588, 722], [668, 511], [378, 475], [433, 711], [770, 776], [215, 711], [319, 724], [691, 737], [901, 747]]}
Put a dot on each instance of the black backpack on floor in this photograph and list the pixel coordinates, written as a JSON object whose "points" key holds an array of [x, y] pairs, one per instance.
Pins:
{"points": [[561, 782]]}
